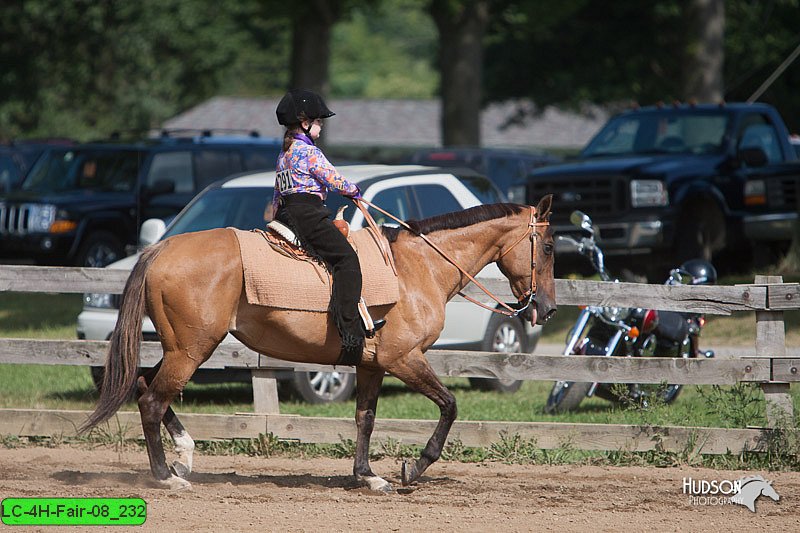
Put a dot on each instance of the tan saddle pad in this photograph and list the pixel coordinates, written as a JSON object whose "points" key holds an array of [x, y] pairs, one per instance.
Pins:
{"points": [[273, 279]]}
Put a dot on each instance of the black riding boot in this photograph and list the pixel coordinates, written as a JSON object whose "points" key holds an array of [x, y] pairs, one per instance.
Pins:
{"points": [[308, 218]]}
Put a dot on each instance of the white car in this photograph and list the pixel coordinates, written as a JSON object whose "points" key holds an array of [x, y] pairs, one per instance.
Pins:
{"points": [[408, 192]]}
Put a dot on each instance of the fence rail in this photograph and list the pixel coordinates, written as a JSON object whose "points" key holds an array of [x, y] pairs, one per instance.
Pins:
{"points": [[770, 366]]}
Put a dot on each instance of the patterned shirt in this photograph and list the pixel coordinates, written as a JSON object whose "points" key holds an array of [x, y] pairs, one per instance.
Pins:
{"points": [[303, 168]]}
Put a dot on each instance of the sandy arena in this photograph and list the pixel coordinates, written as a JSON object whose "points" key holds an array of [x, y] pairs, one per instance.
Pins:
{"points": [[238, 493]]}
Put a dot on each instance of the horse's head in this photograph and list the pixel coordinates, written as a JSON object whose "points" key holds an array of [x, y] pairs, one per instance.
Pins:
{"points": [[528, 263]]}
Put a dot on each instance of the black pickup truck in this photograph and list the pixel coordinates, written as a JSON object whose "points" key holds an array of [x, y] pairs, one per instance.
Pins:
{"points": [[668, 183]]}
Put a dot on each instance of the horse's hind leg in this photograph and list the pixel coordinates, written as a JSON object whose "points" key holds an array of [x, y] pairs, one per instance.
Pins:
{"points": [[415, 371], [176, 369], [184, 444], [368, 386]]}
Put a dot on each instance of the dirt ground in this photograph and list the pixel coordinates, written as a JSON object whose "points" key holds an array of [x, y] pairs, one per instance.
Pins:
{"points": [[238, 493]]}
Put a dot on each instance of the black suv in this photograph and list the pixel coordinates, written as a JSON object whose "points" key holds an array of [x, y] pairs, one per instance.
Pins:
{"points": [[83, 205]]}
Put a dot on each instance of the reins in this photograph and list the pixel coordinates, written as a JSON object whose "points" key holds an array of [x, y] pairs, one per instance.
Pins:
{"points": [[529, 295]]}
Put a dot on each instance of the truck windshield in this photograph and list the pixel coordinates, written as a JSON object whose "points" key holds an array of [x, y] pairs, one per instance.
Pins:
{"points": [[63, 170], [662, 132]]}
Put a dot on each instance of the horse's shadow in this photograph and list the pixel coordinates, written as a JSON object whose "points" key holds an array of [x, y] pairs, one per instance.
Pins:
{"points": [[143, 479]]}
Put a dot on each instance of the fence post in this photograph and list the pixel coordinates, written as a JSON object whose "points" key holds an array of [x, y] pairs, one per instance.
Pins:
{"points": [[771, 342], [265, 392]]}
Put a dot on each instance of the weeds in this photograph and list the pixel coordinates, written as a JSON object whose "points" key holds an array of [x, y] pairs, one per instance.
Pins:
{"points": [[739, 405]]}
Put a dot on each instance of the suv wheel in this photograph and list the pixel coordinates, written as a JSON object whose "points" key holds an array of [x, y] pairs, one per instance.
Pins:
{"points": [[324, 387], [98, 250], [504, 334]]}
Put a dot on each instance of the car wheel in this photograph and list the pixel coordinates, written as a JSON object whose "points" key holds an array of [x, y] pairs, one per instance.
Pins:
{"points": [[324, 387], [504, 334], [98, 250]]}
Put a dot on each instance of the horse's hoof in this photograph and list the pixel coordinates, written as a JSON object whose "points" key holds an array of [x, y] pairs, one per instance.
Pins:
{"points": [[181, 470], [176, 484], [377, 484]]}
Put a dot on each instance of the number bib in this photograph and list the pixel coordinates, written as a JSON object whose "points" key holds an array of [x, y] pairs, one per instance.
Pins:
{"points": [[283, 180]]}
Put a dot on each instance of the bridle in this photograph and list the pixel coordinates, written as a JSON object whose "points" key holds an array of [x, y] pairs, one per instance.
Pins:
{"points": [[528, 297]]}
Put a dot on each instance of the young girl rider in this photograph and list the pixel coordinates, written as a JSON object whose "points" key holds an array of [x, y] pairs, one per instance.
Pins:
{"points": [[304, 177]]}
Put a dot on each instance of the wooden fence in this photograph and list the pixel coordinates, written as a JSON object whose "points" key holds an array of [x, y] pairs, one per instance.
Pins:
{"points": [[767, 365]]}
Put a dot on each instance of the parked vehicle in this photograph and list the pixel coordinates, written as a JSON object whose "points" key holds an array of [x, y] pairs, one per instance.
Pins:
{"points": [[409, 192], [83, 205], [771, 202], [503, 167], [668, 183], [17, 158], [621, 332]]}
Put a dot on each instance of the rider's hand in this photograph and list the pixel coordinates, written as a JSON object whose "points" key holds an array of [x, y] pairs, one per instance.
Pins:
{"points": [[356, 195]]}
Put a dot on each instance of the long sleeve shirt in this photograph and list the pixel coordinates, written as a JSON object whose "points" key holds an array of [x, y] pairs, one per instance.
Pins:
{"points": [[303, 168]]}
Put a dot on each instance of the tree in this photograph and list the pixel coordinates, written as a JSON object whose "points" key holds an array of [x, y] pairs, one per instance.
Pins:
{"points": [[705, 50], [84, 69], [312, 23], [462, 25]]}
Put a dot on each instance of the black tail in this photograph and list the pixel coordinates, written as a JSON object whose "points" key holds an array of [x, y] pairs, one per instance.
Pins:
{"points": [[122, 362]]}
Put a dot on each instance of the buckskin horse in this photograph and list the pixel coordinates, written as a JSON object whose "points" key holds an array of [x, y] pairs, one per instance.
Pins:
{"points": [[191, 286]]}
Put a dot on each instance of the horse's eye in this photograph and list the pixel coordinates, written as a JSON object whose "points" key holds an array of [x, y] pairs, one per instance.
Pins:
{"points": [[548, 249]]}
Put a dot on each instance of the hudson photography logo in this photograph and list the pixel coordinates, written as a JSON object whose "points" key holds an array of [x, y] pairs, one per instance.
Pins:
{"points": [[744, 491]]}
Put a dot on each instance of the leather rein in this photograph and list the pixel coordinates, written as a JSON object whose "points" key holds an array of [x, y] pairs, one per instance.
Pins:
{"points": [[528, 297]]}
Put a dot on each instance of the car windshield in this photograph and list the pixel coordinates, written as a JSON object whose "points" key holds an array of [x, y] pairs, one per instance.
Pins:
{"points": [[63, 170], [238, 207], [669, 131]]}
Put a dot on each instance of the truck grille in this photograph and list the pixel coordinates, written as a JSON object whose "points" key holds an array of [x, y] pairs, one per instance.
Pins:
{"points": [[783, 192], [14, 219], [598, 197]]}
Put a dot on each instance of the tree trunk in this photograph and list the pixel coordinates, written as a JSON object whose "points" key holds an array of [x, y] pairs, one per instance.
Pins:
{"points": [[461, 26], [705, 54], [312, 25]]}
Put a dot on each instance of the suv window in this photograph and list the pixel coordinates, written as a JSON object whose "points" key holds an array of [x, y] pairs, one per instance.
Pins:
{"points": [[71, 169], [435, 200], [175, 167], [212, 165]]}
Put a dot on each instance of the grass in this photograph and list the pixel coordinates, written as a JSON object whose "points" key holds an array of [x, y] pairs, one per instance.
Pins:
{"points": [[71, 387], [32, 315]]}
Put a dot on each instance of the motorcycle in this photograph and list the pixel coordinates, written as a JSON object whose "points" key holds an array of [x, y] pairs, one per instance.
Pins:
{"points": [[624, 332]]}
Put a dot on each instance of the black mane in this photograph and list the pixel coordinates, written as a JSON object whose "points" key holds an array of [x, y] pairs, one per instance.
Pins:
{"points": [[458, 219]]}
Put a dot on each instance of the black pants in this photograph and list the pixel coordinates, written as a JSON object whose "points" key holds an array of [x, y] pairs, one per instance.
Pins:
{"points": [[306, 215]]}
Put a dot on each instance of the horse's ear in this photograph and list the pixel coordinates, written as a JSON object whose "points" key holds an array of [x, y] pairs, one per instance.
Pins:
{"points": [[543, 209]]}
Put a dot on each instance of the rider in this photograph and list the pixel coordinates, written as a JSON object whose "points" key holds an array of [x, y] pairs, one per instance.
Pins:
{"points": [[304, 177]]}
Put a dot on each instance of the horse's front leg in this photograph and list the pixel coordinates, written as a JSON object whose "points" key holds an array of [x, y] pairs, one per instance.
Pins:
{"points": [[368, 385], [415, 371]]}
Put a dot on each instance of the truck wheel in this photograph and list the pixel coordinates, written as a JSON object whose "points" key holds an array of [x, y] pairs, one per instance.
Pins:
{"points": [[98, 250], [701, 233], [504, 334], [324, 387]]}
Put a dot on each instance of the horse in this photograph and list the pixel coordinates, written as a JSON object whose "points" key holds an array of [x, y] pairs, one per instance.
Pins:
{"points": [[192, 287]]}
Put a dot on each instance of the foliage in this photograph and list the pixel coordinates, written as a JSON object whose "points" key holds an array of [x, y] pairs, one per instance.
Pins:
{"points": [[575, 51], [83, 69], [384, 50]]}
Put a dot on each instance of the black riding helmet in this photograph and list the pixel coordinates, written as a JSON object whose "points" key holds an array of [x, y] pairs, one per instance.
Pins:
{"points": [[701, 272], [300, 104]]}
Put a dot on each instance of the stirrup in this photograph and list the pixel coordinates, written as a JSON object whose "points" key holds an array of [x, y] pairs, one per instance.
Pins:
{"points": [[370, 326], [378, 324]]}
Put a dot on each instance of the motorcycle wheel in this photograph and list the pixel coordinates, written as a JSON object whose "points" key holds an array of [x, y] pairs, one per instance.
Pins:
{"points": [[566, 396]]}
